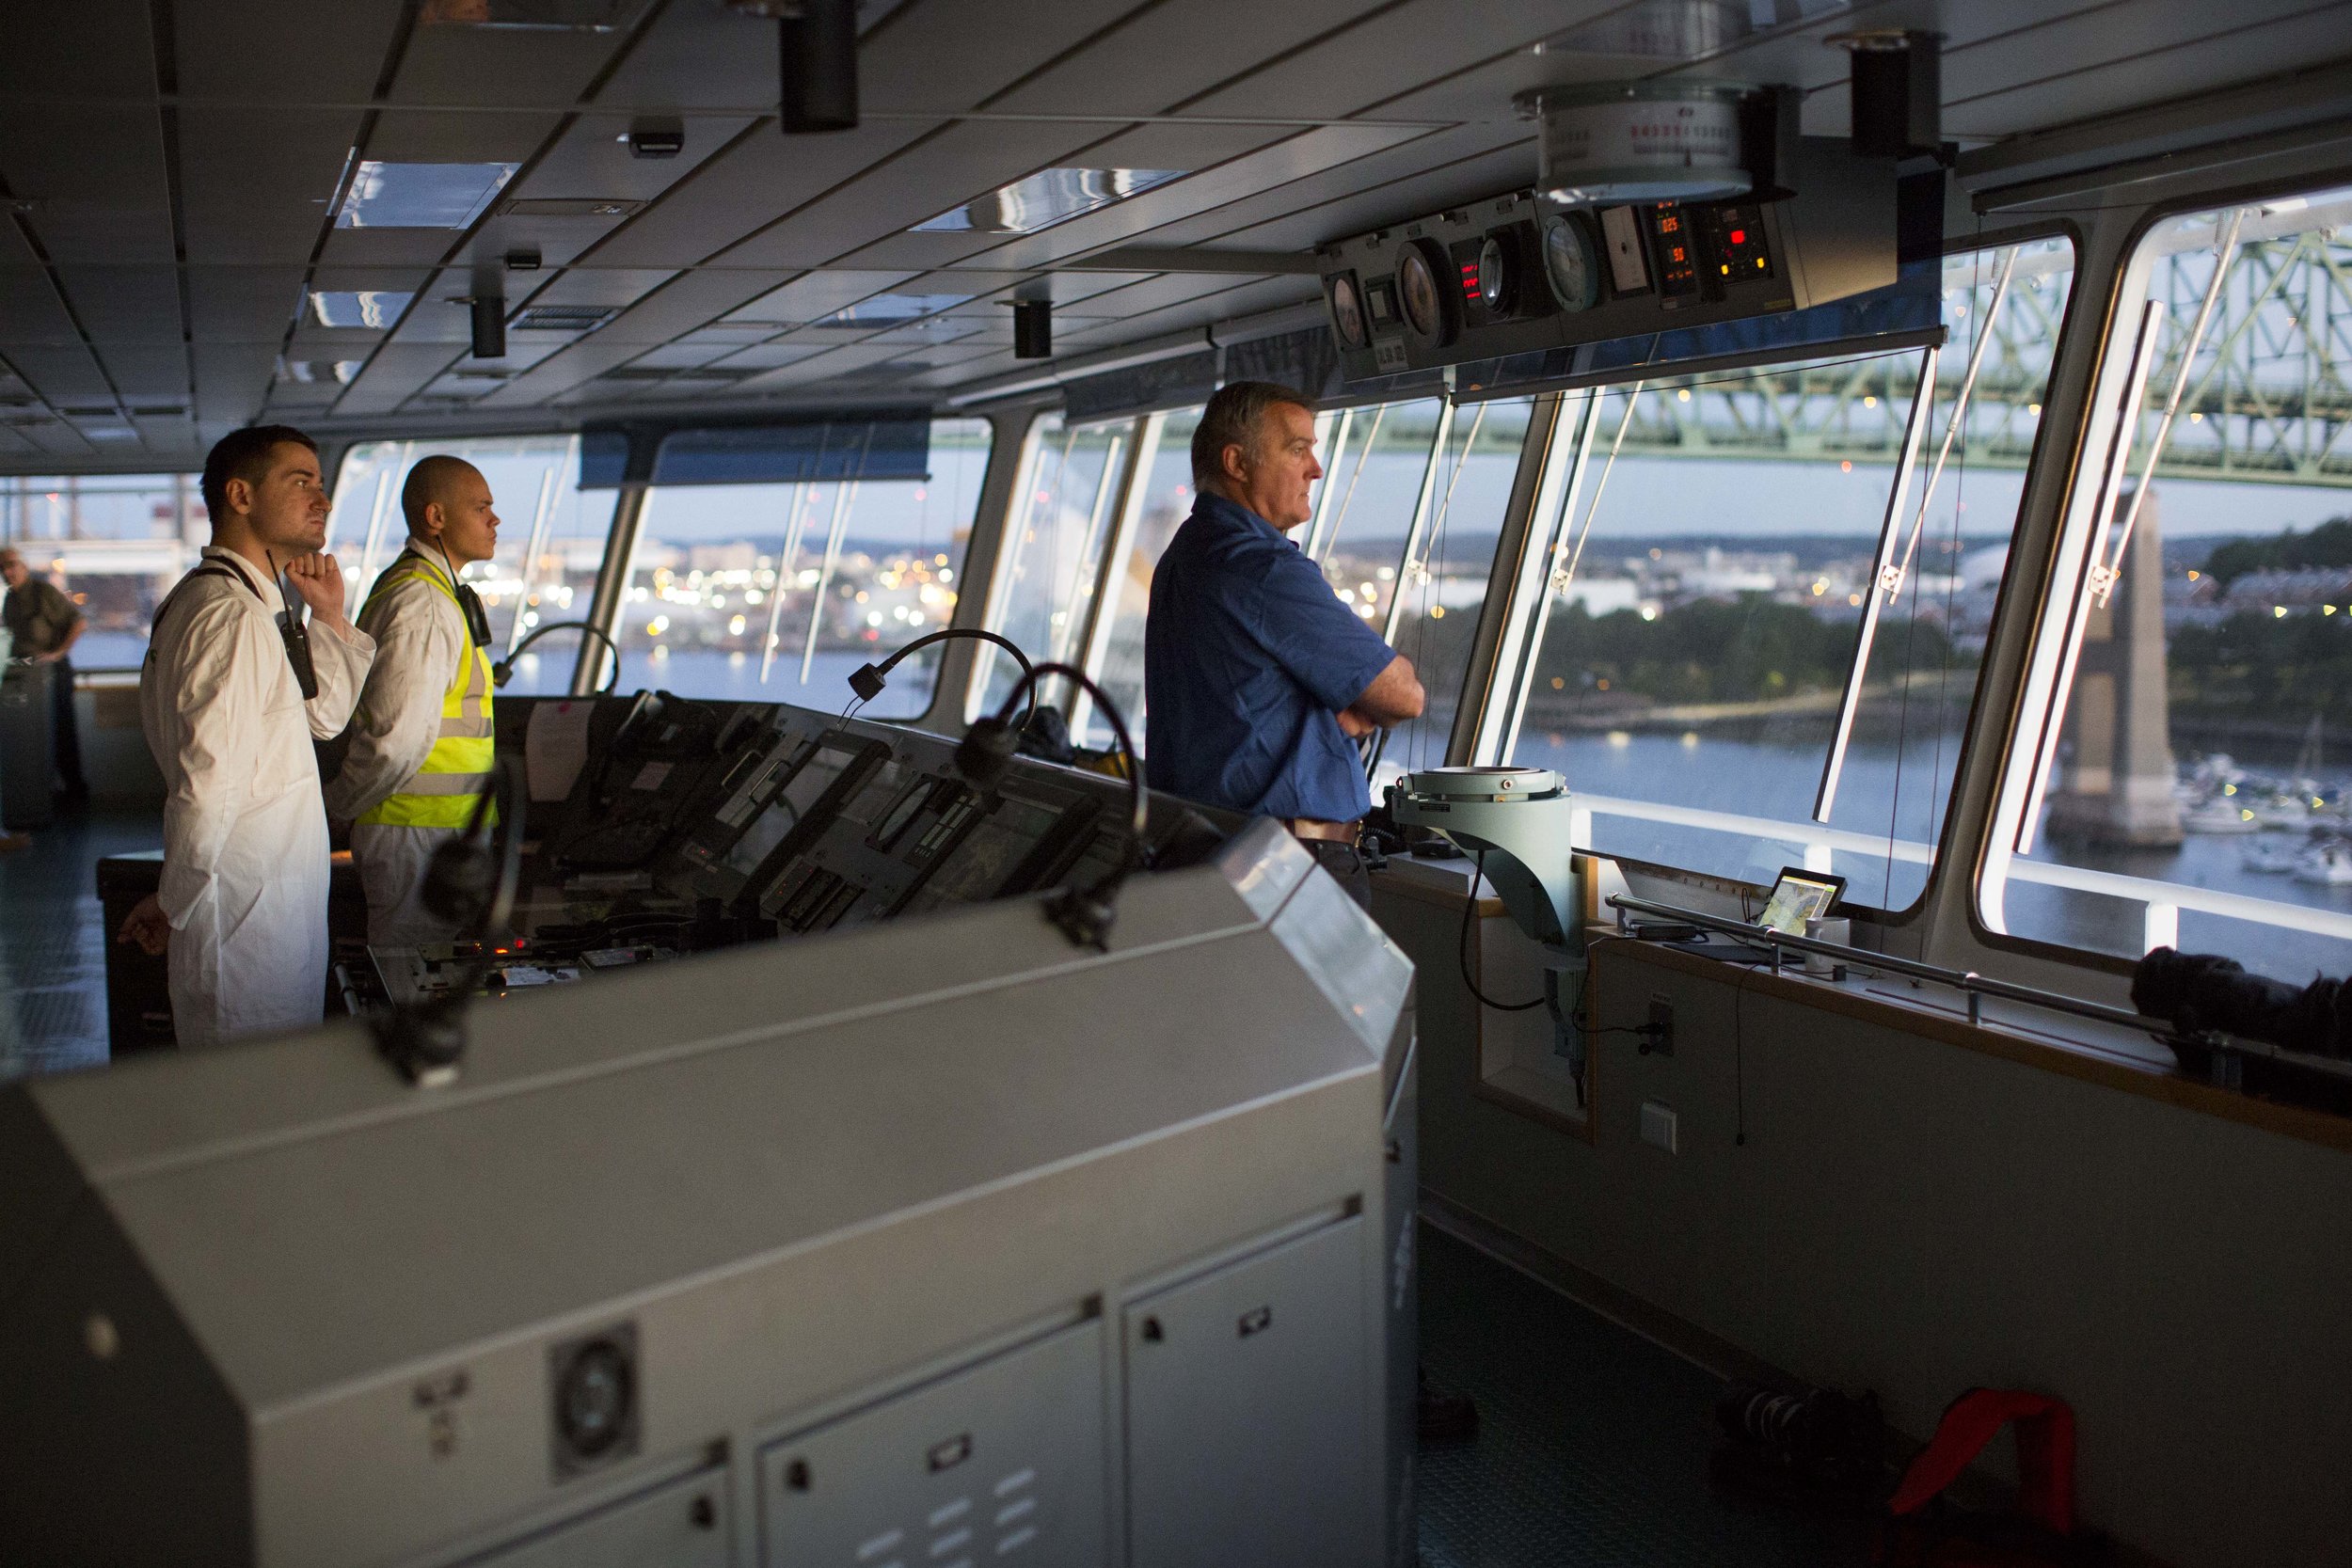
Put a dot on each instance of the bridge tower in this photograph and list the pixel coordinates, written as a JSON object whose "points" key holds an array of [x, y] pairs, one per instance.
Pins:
{"points": [[2117, 783]]}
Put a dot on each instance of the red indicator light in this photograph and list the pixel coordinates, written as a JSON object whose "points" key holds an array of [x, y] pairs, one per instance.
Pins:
{"points": [[1739, 236]]}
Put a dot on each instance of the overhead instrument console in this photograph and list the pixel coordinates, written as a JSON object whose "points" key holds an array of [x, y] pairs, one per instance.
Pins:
{"points": [[1526, 271]]}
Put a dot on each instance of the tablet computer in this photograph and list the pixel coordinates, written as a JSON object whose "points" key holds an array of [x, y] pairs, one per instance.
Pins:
{"points": [[1800, 896]]}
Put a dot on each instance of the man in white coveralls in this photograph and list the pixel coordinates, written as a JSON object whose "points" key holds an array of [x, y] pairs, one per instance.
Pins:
{"points": [[233, 689]]}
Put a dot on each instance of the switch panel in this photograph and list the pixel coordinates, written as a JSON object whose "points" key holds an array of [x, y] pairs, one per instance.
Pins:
{"points": [[1658, 1126]]}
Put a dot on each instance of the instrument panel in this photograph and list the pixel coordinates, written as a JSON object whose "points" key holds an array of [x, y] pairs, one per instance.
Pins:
{"points": [[1515, 274]]}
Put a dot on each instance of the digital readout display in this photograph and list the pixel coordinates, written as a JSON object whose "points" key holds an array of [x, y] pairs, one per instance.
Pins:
{"points": [[1669, 244]]}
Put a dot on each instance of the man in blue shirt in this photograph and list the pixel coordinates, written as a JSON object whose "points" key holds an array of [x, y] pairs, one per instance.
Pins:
{"points": [[1257, 679]]}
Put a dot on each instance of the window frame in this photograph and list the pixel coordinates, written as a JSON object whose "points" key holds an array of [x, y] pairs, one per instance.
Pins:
{"points": [[2065, 558], [1559, 482]]}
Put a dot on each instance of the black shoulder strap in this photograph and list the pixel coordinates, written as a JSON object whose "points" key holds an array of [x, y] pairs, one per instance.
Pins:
{"points": [[210, 569]]}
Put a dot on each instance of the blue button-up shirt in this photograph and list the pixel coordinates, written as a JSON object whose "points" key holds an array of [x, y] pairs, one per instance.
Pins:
{"points": [[1249, 657]]}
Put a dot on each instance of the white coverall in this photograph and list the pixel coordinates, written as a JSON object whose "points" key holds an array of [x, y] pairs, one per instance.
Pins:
{"points": [[420, 637], [244, 828]]}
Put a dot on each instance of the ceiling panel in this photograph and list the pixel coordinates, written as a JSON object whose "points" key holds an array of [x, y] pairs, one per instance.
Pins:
{"points": [[1315, 223], [559, 372], [249, 50], [30, 311], [815, 295], [138, 304], [685, 303], [452, 64], [64, 375], [147, 373], [600, 286], [1286, 161], [2063, 72], [476, 136], [941, 55], [386, 247], [54, 438], [254, 303], [769, 356], [697, 55], [255, 184], [1401, 181], [590, 158], [761, 175], [1394, 52], [397, 372], [95, 175], [1165, 55], [102, 47], [950, 169], [231, 379], [844, 360]]}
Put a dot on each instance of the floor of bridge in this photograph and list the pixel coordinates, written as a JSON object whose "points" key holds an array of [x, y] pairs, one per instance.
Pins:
{"points": [[53, 938], [1592, 1441]]}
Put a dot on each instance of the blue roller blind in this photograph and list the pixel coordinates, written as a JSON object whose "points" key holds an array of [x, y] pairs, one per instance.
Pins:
{"points": [[888, 445], [885, 448]]}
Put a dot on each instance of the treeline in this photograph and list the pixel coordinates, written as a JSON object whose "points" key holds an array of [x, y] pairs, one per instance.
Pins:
{"points": [[2330, 543], [2285, 668], [1753, 649]]}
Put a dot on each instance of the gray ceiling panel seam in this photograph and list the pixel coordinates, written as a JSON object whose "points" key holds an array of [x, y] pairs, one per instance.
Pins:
{"points": [[65, 303], [1070, 53], [1297, 50], [164, 34], [2201, 40]]}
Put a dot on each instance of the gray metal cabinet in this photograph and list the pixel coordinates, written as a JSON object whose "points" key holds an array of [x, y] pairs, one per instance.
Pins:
{"points": [[680, 1525], [999, 1464], [1247, 1440]]}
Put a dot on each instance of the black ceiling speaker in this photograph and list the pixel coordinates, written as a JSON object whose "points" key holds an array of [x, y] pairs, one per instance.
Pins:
{"points": [[1897, 91], [489, 327], [819, 44], [1033, 329]]}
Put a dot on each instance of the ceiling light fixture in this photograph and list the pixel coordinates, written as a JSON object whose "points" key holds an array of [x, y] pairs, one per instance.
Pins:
{"points": [[1044, 198], [377, 308], [419, 196]]}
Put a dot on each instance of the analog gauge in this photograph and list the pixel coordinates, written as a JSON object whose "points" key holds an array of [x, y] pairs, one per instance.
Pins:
{"points": [[1427, 311], [1347, 312], [1570, 264], [1498, 275]]}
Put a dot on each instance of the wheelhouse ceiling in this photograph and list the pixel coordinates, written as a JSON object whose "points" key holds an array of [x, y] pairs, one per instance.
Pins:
{"points": [[171, 171]]}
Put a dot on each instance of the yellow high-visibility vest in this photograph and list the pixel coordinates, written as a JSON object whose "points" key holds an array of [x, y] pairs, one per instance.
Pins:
{"points": [[458, 771]]}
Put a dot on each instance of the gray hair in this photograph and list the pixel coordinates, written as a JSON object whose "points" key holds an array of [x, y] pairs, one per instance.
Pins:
{"points": [[1235, 417]]}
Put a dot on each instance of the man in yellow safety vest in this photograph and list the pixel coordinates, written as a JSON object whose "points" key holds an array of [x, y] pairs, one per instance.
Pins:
{"points": [[421, 744]]}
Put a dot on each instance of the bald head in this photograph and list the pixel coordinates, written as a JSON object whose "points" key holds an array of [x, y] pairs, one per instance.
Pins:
{"points": [[446, 501]]}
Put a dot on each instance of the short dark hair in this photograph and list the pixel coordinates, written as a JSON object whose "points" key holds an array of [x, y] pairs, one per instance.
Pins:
{"points": [[1233, 418], [425, 483], [244, 454]]}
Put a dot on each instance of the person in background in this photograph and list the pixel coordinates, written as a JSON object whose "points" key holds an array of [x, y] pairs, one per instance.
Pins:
{"points": [[9, 843], [45, 624], [233, 691], [421, 747], [1258, 681]]}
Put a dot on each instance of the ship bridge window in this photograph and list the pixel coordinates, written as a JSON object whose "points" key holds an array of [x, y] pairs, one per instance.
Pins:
{"points": [[2182, 772], [1059, 523], [775, 589], [1442, 569], [114, 543], [1768, 590], [549, 543]]}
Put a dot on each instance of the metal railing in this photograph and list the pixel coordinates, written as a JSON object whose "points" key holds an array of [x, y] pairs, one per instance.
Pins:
{"points": [[1970, 984]]}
